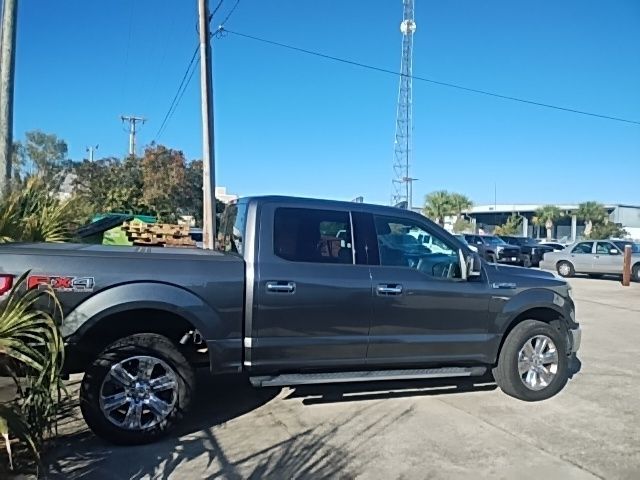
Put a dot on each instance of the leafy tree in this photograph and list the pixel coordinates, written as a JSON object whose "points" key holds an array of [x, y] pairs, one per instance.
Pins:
{"points": [[512, 226], [459, 203], [546, 216], [606, 229], [438, 206], [164, 179], [111, 185], [461, 226], [46, 154], [590, 213]]}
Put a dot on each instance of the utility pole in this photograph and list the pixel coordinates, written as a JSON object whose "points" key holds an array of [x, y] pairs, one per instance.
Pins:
{"points": [[208, 151], [91, 150], [7, 68], [133, 120]]}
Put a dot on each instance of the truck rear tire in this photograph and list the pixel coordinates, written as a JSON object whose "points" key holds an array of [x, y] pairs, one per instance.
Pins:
{"points": [[137, 389], [533, 364], [635, 273]]}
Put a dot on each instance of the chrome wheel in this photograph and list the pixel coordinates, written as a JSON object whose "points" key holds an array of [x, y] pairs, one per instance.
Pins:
{"points": [[538, 362], [138, 392]]}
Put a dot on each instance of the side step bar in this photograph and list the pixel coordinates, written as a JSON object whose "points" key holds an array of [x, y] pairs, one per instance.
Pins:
{"points": [[288, 379]]}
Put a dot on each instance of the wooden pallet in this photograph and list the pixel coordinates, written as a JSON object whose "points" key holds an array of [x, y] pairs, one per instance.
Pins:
{"points": [[161, 234]]}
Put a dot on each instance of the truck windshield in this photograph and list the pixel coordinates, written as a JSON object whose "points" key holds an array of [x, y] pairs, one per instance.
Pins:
{"points": [[231, 228], [494, 241]]}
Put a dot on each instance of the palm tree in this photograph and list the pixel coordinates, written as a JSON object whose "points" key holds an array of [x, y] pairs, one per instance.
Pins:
{"points": [[438, 205], [459, 203], [590, 213], [34, 214], [32, 352], [547, 216]]}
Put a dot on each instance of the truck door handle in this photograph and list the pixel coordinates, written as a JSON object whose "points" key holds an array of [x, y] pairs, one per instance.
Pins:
{"points": [[385, 289], [281, 287]]}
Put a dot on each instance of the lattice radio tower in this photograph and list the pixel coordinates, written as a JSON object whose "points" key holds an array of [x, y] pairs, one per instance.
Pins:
{"points": [[402, 181]]}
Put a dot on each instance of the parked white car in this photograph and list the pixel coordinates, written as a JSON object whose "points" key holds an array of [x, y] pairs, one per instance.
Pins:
{"points": [[595, 258]]}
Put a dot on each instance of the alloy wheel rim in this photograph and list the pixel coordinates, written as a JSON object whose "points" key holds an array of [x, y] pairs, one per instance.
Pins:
{"points": [[564, 269], [139, 392], [538, 362]]}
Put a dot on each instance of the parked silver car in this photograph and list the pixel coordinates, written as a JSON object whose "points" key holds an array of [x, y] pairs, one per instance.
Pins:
{"points": [[595, 258]]}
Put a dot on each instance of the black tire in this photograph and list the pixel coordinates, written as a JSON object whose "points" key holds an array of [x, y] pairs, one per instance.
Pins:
{"points": [[506, 372], [144, 344], [491, 258], [526, 261], [635, 272], [569, 273]]}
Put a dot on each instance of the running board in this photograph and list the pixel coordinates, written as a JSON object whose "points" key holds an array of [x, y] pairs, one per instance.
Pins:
{"points": [[288, 379]]}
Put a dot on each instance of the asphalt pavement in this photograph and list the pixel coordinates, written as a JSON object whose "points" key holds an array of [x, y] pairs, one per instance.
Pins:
{"points": [[407, 430]]}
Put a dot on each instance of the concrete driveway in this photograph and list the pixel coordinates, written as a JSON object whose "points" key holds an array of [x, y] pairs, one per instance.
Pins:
{"points": [[407, 430]]}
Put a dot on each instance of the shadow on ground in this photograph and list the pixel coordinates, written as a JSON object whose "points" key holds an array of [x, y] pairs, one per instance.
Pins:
{"points": [[310, 452]]}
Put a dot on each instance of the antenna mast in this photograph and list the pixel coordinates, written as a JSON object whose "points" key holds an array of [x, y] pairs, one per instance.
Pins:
{"points": [[404, 119]]}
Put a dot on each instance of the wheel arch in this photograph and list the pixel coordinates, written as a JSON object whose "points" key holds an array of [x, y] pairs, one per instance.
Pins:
{"points": [[136, 308], [546, 314]]}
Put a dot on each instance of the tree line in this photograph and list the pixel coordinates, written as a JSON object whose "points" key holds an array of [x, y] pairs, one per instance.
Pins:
{"points": [[442, 203], [161, 182]]}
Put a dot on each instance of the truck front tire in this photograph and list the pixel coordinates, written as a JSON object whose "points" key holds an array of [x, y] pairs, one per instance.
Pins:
{"points": [[533, 364], [137, 389]]}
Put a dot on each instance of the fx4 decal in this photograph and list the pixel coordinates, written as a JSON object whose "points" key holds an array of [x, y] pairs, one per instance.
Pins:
{"points": [[62, 284]]}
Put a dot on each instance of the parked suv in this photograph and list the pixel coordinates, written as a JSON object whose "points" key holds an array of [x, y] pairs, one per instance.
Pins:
{"points": [[531, 251], [495, 250]]}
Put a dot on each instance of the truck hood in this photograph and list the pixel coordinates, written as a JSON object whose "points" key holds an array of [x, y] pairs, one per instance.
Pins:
{"points": [[522, 275]]}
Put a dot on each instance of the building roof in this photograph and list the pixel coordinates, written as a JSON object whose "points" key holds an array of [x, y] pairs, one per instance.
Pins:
{"points": [[532, 207]]}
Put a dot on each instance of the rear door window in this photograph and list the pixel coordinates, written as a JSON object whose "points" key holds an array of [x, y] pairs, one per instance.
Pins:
{"points": [[310, 235]]}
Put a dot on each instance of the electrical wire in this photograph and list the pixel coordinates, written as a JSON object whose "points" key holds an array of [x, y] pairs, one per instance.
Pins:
{"points": [[186, 78], [233, 9], [215, 10], [221, 31]]}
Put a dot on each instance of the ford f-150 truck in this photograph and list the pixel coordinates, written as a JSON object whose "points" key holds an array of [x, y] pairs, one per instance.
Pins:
{"points": [[303, 291]]}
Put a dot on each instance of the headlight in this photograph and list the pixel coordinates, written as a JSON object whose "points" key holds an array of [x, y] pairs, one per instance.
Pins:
{"points": [[499, 248]]}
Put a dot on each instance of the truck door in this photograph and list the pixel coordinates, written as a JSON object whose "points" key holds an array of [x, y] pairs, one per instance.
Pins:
{"points": [[312, 304], [424, 313]]}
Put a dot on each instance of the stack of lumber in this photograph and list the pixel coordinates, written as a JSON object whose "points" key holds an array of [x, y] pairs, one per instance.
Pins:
{"points": [[158, 234]]}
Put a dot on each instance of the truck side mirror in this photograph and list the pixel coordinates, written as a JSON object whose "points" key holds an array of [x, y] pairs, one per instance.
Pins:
{"points": [[474, 265]]}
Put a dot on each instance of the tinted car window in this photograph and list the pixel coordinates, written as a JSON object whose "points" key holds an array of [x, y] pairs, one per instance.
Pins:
{"points": [[309, 235], [398, 246], [584, 247], [635, 247]]}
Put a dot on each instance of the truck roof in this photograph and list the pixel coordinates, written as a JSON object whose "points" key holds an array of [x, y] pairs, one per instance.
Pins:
{"points": [[356, 206]]}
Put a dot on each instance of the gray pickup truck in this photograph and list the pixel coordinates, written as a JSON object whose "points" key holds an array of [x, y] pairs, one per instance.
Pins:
{"points": [[303, 291]]}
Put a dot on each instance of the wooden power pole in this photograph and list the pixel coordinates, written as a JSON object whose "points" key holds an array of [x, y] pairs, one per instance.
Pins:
{"points": [[7, 66], [626, 266], [208, 151]]}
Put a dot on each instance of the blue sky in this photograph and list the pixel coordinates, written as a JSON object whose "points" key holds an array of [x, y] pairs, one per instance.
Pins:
{"points": [[294, 124]]}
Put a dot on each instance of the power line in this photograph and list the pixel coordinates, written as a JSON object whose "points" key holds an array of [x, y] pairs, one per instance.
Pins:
{"points": [[188, 73], [221, 31], [215, 10], [233, 9]]}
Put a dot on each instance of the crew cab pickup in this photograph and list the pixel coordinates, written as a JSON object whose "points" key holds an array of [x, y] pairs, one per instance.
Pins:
{"points": [[303, 291]]}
